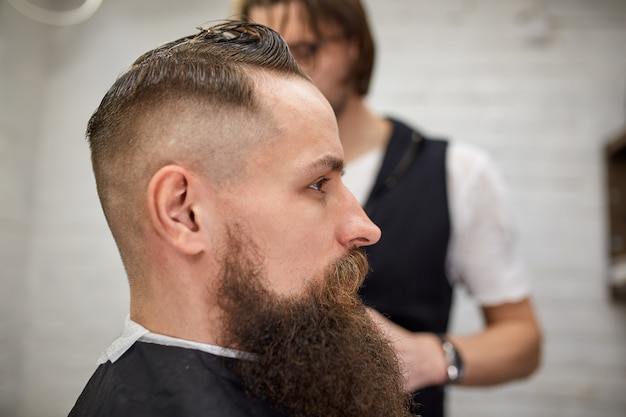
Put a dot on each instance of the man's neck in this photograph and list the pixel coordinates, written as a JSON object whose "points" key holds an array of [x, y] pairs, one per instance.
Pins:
{"points": [[360, 130], [181, 313]]}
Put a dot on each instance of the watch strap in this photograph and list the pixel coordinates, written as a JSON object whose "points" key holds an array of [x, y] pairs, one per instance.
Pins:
{"points": [[454, 362]]}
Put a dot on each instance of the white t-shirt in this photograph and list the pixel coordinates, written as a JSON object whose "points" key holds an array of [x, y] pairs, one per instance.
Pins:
{"points": [[483, 252]]}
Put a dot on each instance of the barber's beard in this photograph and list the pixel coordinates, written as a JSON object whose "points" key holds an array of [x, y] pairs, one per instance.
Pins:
{"points": [[317, 355]]}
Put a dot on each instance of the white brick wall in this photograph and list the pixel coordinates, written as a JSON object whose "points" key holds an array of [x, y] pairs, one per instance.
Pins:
{"points": [[465, 69], [20, 84]]}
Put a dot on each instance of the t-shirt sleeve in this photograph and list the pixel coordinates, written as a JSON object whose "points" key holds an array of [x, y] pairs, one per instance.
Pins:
{"points": [[484, 253]]}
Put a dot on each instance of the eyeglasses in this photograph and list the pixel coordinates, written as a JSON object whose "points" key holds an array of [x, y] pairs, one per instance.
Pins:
{"points": [[305, 53]]}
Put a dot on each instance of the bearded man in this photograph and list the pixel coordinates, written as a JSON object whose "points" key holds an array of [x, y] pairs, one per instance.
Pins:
{"points": [[218, 166]]}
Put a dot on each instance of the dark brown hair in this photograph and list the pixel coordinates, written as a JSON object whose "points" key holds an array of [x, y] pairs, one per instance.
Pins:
{"points": [[210, 65], [348, 15]]}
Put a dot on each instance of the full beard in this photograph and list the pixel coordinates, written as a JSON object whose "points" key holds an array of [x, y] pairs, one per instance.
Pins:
{"points": [[317, 355]]}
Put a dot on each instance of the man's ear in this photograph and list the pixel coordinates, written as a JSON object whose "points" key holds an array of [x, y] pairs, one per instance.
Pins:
{"points": [[175, 211]]}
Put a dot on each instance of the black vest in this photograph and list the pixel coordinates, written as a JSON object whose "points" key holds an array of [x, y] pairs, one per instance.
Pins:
{"points": [[408, 281]]}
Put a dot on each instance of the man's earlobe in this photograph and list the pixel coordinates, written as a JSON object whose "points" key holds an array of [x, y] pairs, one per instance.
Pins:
{"points": [[173, 210]]}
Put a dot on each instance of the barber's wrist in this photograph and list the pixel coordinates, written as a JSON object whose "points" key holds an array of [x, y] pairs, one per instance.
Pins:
{"points": [[454, 363]]}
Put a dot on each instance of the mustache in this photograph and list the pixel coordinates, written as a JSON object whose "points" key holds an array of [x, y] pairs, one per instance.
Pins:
{"points": [[344, 278], [354, 266]]}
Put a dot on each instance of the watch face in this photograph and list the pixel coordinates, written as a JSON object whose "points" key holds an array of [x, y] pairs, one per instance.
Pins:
{"points": [[453, 373]]}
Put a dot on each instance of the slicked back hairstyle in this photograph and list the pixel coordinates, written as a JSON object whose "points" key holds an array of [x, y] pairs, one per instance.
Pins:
{"points": [[210, 66], [151, 115], [348, 15]]}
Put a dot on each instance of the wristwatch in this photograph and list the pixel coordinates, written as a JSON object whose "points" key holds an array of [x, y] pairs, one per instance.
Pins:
{"points": [[453, 360]]}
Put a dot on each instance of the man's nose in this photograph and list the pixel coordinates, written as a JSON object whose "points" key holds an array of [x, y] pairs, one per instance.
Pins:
{"points": [[358, 228]]}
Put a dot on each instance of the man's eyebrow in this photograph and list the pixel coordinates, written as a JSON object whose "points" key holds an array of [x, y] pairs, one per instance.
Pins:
{"points": [[326, 163]]}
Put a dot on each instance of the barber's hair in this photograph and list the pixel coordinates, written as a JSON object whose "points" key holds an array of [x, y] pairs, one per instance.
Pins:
{"points": [[150, 116], [348, 15]]}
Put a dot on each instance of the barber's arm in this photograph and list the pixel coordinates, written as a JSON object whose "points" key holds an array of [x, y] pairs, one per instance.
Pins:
{"points": [[485, 259], [506, 349]]}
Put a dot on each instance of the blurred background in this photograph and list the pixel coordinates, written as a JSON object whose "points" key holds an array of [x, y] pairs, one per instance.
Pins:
{"points": [[540, 84]]}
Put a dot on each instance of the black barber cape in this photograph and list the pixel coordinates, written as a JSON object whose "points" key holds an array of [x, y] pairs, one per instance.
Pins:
{"points": [[164, 381]]}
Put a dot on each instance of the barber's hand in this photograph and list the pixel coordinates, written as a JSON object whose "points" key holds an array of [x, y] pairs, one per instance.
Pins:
{"points": [[421, 356]]}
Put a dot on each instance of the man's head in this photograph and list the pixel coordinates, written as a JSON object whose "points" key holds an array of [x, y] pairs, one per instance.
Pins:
{"points": [[222, 128], [330, 39]]}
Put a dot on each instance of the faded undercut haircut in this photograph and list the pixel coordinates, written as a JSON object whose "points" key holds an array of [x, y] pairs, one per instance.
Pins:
{"points": [[348, 15], [151, 115]]}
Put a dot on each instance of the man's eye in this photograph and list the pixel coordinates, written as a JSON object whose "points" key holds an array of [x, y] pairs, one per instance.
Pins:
{"points": [[319, 185]]}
